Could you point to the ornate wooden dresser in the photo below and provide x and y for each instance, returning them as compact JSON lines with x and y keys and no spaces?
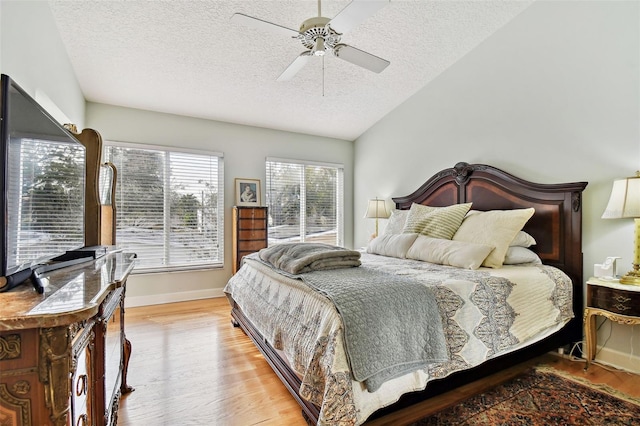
{"x":64,"y":353}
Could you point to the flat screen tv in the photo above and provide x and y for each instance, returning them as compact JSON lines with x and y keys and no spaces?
{"x":42,"y":185}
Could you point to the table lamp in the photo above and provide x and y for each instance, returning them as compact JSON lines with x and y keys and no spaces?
{"x":625,"y":203}
{"x":376,"y":209}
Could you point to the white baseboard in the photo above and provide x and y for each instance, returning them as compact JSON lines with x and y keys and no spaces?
{"x":183,"y":296}
{"x":617,"y":359}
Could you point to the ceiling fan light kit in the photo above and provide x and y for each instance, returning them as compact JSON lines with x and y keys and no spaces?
{"x":320,"y":35}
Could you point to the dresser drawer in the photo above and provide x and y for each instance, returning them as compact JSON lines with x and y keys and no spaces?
{"x":615,"y":300}
{"x":18,"y":349}
{"x":252,"y":234}
{"x":252,"y":213}
{"x":82,"y":382}
{"x":246,"y":224}
{"x":250,"y":246}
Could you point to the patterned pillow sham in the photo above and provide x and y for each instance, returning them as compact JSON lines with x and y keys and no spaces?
{"x":436,"y":222}
{"x":396,"y":222}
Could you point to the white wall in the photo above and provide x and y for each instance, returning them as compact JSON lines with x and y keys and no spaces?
{"x":32,"y":53}
{"x":245,"y":150}
{"x":554,"y":96}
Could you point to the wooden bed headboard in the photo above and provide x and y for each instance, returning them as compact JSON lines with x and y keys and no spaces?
{"x":556,"y":224}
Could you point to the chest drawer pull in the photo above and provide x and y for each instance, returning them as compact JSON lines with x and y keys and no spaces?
{"x":620,"y":298}
{"x":621,"y":307}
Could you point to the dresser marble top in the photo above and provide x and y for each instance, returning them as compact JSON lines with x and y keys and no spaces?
{"x":613,"y":283}
{"x":70,"y":295}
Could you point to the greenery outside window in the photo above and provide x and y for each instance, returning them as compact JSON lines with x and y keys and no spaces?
{"x":169,"y":206}
{"x":305,"y":201}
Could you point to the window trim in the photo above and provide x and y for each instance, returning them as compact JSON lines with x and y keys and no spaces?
{"x":306,"y":162}
{"x":156,"y":147}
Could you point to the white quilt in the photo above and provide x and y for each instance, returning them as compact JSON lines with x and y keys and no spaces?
{"x":485,"y":313}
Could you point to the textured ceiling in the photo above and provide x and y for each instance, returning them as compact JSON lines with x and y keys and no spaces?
{"x":189,"y":58}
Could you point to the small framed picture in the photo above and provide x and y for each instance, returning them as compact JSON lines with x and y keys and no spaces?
{"x":247,"y":192}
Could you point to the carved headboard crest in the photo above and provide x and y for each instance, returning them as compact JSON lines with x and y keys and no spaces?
{"x":462,"y":171}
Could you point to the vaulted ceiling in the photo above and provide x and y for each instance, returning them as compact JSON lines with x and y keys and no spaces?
{"x":189,"y":58}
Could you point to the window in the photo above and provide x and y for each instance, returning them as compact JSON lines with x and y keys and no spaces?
{"x":169,"y":206}
{"x":305,"y":201}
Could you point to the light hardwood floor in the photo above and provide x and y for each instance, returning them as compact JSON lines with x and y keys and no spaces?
{"x":190,"y":366}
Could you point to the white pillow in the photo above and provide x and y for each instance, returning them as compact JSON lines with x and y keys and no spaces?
{"x":495,"y":228}
{"x":518,"y":255}
{"x":393,"y":245}
{"x":436,"y":222}
{"x":447,"y":252}
{"x":523,"y":239}
{"x":396,"y":222}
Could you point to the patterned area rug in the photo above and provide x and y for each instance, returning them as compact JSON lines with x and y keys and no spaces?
{"x":541,"y":397}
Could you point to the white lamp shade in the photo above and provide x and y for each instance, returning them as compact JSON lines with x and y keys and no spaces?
{"x":376,"y":209}
{"x":624,"y":200}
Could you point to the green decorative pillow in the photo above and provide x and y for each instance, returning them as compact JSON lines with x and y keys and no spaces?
{"x":435,"y":222}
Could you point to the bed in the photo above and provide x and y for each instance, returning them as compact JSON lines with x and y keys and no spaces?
{"x":302,"y":336}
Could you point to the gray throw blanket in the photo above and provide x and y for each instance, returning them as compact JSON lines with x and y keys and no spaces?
{"x":392,"y":324}
{"x":298,"y":258}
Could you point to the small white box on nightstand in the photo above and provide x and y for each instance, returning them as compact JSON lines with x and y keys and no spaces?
{"x":607,"y":269}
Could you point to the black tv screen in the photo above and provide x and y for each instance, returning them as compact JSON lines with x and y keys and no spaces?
{"x":42,"y":183}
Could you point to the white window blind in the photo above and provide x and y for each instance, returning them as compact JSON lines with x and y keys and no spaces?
{"x":305,"y":201}
{"x":169,"y":206}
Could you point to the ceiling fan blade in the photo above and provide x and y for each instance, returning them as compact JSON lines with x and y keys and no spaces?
{"x":263,"y":25}
{"x":295,"y":66}
{"x":354,"y":13}
{"x":361,"y":58}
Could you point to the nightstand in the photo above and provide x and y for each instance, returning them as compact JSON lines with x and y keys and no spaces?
{"x":615,"y":301}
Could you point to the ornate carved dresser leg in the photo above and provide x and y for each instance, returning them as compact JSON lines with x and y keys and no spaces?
{"x":125,"y":388}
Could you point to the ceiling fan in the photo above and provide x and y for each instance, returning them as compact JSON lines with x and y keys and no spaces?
{"x":320,"y":35}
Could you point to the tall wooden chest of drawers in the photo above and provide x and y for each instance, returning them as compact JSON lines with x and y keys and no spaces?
{"x":249,"y":232}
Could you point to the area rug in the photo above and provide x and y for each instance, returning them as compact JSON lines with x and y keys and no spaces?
{"x":541,"y":397}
